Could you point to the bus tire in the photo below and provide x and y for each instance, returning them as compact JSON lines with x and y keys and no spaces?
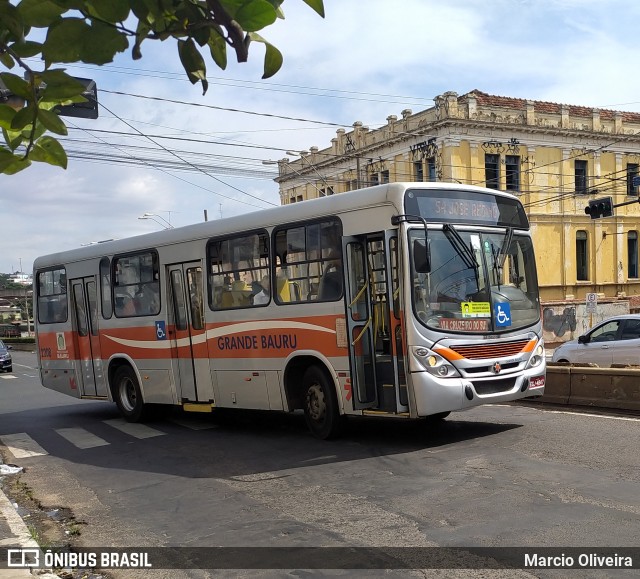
{"x":321,"y":411}
{"x":127,"y":394}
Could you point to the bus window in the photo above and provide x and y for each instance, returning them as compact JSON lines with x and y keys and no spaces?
{"x":52,"y":296}
{"x":136,"y":287}
{"x":237,"y":265}
{"x":105,"y":288}
{"x":311,"y":262}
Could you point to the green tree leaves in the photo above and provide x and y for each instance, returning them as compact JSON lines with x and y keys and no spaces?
{"x":94,"y":32}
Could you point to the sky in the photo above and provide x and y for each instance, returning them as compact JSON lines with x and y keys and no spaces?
{"x":366,"y":60}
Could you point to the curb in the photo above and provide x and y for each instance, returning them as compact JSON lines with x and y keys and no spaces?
{"x":19,"y":537}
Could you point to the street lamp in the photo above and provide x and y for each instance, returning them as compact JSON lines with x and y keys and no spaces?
{"x":164,"y":223}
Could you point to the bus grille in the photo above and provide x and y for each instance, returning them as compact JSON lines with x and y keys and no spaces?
{"x":480,"y":352}
{"x":493,"y":386}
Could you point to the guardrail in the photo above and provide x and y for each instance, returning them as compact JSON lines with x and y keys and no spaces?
{"x":589,"y":385}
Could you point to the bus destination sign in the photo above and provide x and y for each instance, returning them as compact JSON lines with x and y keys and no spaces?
{"x":465,"y":210}
{"x":465,"y":324}
{"x":470,"y":207}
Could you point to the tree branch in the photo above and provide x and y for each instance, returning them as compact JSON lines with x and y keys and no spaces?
{"x":236,"y":35}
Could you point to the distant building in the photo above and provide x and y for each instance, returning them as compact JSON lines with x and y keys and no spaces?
{"x":554,"y":157}
{"x":21,"y":278}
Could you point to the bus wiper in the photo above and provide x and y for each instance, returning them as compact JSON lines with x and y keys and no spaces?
{"x":504,"y":248}
{"x":461,"y":249}
{"x":500,"y":256}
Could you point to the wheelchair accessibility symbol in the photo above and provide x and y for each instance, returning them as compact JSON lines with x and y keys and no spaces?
{"x":161,"y":333}
{"x":503,"y":314}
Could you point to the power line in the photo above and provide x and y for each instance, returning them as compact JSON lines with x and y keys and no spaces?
{"x":194,"y":166}
{"x":263,"y":85}
{"x":227,"y":109}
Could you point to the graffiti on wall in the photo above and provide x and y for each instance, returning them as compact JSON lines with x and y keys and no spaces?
{"x":564,"y":322}
{"x":558,"y":324}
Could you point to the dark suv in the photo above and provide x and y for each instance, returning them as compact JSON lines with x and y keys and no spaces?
{"x":5,"y":358}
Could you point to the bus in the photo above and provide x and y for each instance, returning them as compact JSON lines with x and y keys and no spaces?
{"x":403,"y":300}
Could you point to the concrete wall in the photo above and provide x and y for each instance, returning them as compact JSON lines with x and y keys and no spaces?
{"x":617,"y":388}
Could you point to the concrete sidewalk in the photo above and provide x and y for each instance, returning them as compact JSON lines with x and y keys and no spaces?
{"x":14,"y":533}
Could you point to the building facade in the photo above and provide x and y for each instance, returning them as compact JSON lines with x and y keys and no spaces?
{"x":554,"y":157}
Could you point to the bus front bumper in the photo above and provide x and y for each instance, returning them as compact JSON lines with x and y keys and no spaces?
{"x":434,"y":395}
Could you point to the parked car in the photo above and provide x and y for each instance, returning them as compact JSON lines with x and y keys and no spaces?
{"x":9,"y":331}
{"x":5,"y":358}
{"x":616,"y":340}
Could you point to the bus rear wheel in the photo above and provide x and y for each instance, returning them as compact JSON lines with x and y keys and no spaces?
{"x":127,"y":394}
{"x":321,"y":405}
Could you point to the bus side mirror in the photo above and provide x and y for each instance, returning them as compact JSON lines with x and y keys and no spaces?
{"x":421,"y":260}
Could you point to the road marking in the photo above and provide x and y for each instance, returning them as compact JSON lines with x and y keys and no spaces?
{"x":21,"y":445}
{"x":133,"y":429}
{"x":8,"y":377}
{"x":81,"y":438}
{"x":591,"y":415}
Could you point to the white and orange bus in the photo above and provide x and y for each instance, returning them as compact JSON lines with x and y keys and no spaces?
{"x":405,"y":299}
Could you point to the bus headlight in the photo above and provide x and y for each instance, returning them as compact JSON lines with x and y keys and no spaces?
{"x":434,"y":363}
{"x":538,"y":355}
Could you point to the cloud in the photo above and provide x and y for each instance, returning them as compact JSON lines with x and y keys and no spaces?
{"x":364,"y":61}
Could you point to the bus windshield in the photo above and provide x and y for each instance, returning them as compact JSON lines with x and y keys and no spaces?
{"x":477,"y":282}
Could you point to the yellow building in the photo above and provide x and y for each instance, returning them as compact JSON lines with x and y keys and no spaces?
{"x":554,"y":157}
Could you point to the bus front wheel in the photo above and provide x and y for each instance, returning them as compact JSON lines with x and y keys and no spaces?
{"x":434,"y":419}
{"x":127,"y":394}
{"x":320,"y":405}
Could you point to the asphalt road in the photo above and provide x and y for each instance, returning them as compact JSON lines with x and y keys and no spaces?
{"x":497,"y":476}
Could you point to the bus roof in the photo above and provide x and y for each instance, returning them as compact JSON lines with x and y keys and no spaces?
{"x":387,"y":194}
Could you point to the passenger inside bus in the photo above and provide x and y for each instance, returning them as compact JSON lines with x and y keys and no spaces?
{"x":330,"y":287}
{"x":263,"y":296}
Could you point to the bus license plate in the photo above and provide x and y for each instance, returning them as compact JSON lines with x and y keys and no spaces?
{"x":537,"y":382}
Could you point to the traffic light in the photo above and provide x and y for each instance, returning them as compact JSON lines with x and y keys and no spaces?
{"x":86,"y":110}
{"x":602,"y":207}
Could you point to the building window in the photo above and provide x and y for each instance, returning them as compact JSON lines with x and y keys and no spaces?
{"x":582,"y":256}
{"x":432,"y":175}
{"x":418,"y":171}
{"x":492,"y":171}
{"x":373,"y":179}
{"x":384,"y":176}
{"x":512,"y":172}
{"x":632,"y":253}
{"x":581,"y":176}
{"x":632,"y":171}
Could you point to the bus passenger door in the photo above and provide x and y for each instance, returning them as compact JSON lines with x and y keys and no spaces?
{"x":189,"y":340}
{"x":86,"y":337}
{"x":373,"y":323}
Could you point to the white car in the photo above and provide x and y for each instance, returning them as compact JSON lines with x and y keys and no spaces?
{"x":616,"y":340}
